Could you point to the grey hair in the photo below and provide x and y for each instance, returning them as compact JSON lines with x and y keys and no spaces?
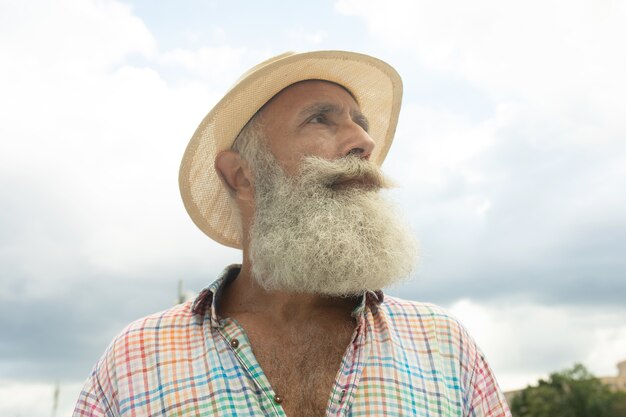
{"x":250,"y":140}
{"x":249,"y":143}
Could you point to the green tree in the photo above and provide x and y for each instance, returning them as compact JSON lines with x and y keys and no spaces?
{"x":618,"y":405}
{"x":572,"y":393}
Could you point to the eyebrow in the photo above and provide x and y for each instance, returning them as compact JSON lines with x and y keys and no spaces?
{"x":360,"y":119}
{"x":324,"y":108}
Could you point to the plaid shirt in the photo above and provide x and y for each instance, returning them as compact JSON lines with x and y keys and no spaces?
{"x":407,"y":358}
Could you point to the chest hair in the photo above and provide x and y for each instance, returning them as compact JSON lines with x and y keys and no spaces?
{"x":301,"y":364}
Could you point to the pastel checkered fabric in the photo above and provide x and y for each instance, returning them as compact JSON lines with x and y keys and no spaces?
{"x":407,"y":359}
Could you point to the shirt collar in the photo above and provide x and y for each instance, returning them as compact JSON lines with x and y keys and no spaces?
{"x":209,"y":298}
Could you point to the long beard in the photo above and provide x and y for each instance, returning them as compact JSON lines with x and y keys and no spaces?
{"x":327,"y":230}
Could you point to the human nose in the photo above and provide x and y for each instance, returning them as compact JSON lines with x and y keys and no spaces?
{"x":357,"y":141}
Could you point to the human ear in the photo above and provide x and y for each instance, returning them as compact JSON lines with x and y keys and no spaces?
{"x":235,"y":174}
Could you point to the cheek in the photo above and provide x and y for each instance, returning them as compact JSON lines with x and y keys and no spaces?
{"x":290,"y":151}
{"x":324,"y":150}
{"x":287,"y":157}
{"x":321,"y":143}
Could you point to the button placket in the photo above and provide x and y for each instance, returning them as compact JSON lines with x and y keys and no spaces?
{"x":243,"y":354}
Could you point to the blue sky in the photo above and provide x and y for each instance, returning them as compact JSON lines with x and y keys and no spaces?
{"x":510,"y":154}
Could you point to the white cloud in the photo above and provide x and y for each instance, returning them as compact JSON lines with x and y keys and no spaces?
{"x":36,"y":399}
{"x":71,"y":35}
{"x":565,"y":60}
{"x":311,"y":38}
{"x":524,"y":341}
{"x":93,"y":142}
{"x":89,"y":155}
{"x":211,"y":63}
{"x":437,"y":143}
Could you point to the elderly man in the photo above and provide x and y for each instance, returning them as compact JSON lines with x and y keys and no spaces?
{"x":285,"y":167}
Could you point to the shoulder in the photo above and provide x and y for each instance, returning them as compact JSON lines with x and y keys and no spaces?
{"x":429,"y":316}
{"x":135,"y":353}
{"x":164,"y":321}
{"x":172,"y":333}
{"x":163,"y":331}
{"x":426,"y":328}
{"x":410,"y":306}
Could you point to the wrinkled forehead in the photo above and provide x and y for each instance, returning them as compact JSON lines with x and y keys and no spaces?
{"x":299,"y":83}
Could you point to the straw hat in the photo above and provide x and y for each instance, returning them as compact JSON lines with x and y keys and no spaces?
{"x":375,"y":85}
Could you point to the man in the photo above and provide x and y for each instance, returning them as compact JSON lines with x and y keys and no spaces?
{"x":285,"y":167}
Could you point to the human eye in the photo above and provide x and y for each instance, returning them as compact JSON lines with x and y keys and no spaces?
{"x":319,"y":119}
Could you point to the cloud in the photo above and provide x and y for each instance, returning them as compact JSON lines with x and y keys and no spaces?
{"x":561,"y":57}
{"x":36,"y":399}
{"x":208,"y":63}
{"x":312,"y":38}
{"x":97,"y":138}
{"x":501,"y":214}
{"x":91,"y":210}
{"x":85,"y":35}
{"x":523,"y":340}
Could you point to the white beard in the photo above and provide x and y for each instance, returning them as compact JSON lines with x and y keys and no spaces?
{"x":312,"y":235}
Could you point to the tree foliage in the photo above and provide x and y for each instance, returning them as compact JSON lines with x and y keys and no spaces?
{"x":571,"y":393}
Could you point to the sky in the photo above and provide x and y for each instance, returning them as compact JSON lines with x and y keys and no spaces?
{"x":510,"y":155}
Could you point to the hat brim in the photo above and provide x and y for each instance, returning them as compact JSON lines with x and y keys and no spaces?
{"x":375,"y":85}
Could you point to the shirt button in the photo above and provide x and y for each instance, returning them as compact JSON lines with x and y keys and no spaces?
{"x":234,"y":343}
{"x":343,"y":393}
{"x":278,"y":399}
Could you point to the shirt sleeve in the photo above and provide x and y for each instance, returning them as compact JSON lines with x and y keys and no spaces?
{"x":98,"y":397}
{"x":484,"y":397}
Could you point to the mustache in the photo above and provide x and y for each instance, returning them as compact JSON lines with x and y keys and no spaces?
{"x":344,"y":173}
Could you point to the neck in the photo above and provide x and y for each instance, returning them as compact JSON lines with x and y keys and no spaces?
{"x":245,"y":295}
